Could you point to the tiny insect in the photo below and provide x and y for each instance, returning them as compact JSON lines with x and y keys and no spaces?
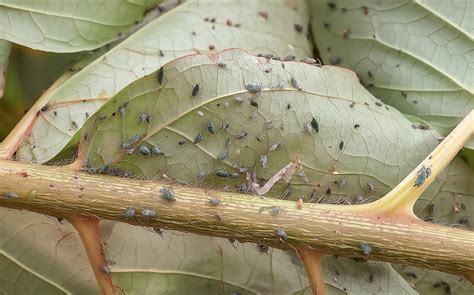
{"x":289,"y":58}
{"x":342,"y":182}
{"x":87,"y":115}
{"x":379,"y":104}
{"x":105,"y":269}
{"x":365,"y":9}
{"x":263,"y":161}
{"x":144,"y":117}
{"x":122,"y":109}
{"x":307,"y":127}
{"x":328,"y":191}
{"x":158,"y":230}
{"x":238,"y":99}
{"x":404,"y":94}
{"x":275,"y":210}
{"x":129,"y":212}
{"x":45,"y":107}
{"x":261,"y":248}
{"x":156,"y":151}
{"x":370,"y":187}
{"x":74,"y":124}
{"x":463,"y":220}
{"x":212,"y":47}
{"x":356,"y":126}
{"x":294,"y":83}
{"x":223,"y":156}
{"x":346,"y":33}
{"x":148,"y":212}
{"x":255,"y":88}
{"x":298,"y":28}
{"x":268,"y":125}
{"x":210,"y":127}
{"x":198,"y":138}
{"x":335,"y":60}
{"x":420,"y":126}
{"x":167,"y":194}
{"x":219,"y":216}
{"x":221,"y":64}
{"x":352,"y":104}
{"x":315,"y":125}
{"x":309,"y":60}
{"x":161,"y":75}
{"x":195,"y":90}
{"x":242,"y":134}
{"x":10,"y":195}
{"x":371,"y":278}
{"x":341,"y":145}
{"x":254,"y":103}
{"x":134,"y":139}
{"x":263,"y":14}
{"x":422,"y":175}
{"x":366,"y":248}
{"x":274,"y":147}
{"x":222,"y":173}
{"x":144,"y":150}
{"x":281,"y":234}
{"x":410,"y":274}
{"x":214,"y":201}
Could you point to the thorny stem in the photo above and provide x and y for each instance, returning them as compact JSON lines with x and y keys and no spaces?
{"x":88,"y":229}
{"x":328,"y":229}
{"x":402,"y":198}
{"x":312,"y":264}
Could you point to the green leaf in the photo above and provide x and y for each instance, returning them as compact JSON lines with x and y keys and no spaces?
{"x":414,"y":55}
{"x":359,"y":140}
{"x":170,"y":36}
{"x":68,"y":26}
{"x":4,"y":53}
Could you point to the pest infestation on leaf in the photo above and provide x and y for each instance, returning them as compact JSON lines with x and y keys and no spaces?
{"x":422,"y":174}
{"x":281,"y":234}
{"x":167,"y":194}
{"x":366,"y":248}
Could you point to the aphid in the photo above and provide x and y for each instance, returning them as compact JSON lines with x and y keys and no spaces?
{"x":377,"y":103}
{"x":45,"y":107}
{"x":366,"y":248}
{"x":365,"y":9}
{"x":268,"y":125}
{"x":219,"y":216}
{"x":422,"y":175}
{"x":307,"y":127}
{"x":129,"y":212}
{"x":294,"y":83}
{"x":410,"y":274}
{"x":242,"y":134}
{"x":335,"y":60}
{"x":346,"y":33}
{"x":289,"y":58}
{"x":444,"y":285}
{"x":352,"y":104}
{"x":223,"y":156}
{"x":56,"y":113}
{"x":281,"y":234}
{"x":255,"y":88}
{"x":101,"y":117}
{"x":261,"y":248}
{"x":328,"y":191}
{"x":10,"y":195}
{"x":122,"y":109}
{"x":268,"y":56}
{"x":74,"y":124}
{"x":195,"y":90}
{"x":370,"y":74}
{"x":144,"y":150}
{"x":371,"y":278}
{"x":198,"y":138}
{"x":309,"y":60}
{"x":315,"y":125}
{"x":227,"y":142}
{"x":221,"y":64}
{"x":370,"y":187}
{"x":144,"y":117}
{"x":260,"y":138}
{"x":274,"y":147}
{"x":298,"y":28}
{"x":148,"y":212}
{"x":288,"y":106}
{"x":343,"y":182}
{"x":463,"y":220}
{"x":125,"y":145}
{"x":263,"y":161}
{"x":331,"y":4}
{"x":167,"y":194}
{"x":275,"y":210}
{"x":156,"y":151}
{"x":238,"y":99}
{"x":87,"y":115}
{"x":158,"y":230}
{"x":341,"y":145}
{"x":253,"y":115}
{"x":327,"y":26}
{"x":222,"y":173}
{"x":161,"y":75}
{"x":404,"y":94}
{"x":225,"y":125}
{"x":263,"y":14}
{"x":212,"y":47}
{"x":134,"y":139}
{"x":210,"y":127}
{"x":420,"y":126}
{"x":105,"y":269}
{"x":254,"y":103}
{"x":356,"y":126}
{"x":214,"y":201}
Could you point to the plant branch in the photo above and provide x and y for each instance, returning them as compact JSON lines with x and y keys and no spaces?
{"x":312,"y":265}
{"x":88,"y":229}
{"x":327,"y":229}
{"x":402,"y":198}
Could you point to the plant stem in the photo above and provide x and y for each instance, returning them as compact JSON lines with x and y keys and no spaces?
{"x":328,"y":229}
{"x":312,"y":265}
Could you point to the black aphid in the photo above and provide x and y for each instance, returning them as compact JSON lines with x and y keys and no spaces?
{"x":223,"y":156}
{"x":315,"y":125}
{"x":161,"y":75}
{"x":298,"y":28}
{"x":356,"y":126}
{"x":261,"y":248}
{"x":254,"y":103}
{"x":45,"y":107}
{"x":144,"y":117}
{"x":352,"y":104}
{"x":222,"y":173}
{"x":144,"y":150}
{"x":341,"y":145}
{"x":214,"y":201}
{"x":198,"y":138}
{"x":255,"y":88}
{"x":404,"y":94}
{"x":241,"y":134}
{"x":294,"y":83}
{"x":210,"y":127}
{"x":181,"y":142}
{"x":167,"y":194}
{"x":195,"y":90}
{"x":327,"y":26}
{"x":281,"y":234}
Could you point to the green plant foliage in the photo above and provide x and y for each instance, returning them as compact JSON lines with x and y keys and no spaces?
{"x":194,"y":26}
{"x":4,"y":52}
{"x":68,"y":26}
{"x":414,"y":55}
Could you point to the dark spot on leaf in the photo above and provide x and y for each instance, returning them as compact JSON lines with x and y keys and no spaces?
{"x":195,"y":90}
{"x":161,"y":75}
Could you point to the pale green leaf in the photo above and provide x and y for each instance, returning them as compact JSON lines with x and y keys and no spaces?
{"x":4,"y":53}
{"x":415,"y":55}
{"x":68,"y":25}
{"x":360,"y":140}
{"x":170,"y":36}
